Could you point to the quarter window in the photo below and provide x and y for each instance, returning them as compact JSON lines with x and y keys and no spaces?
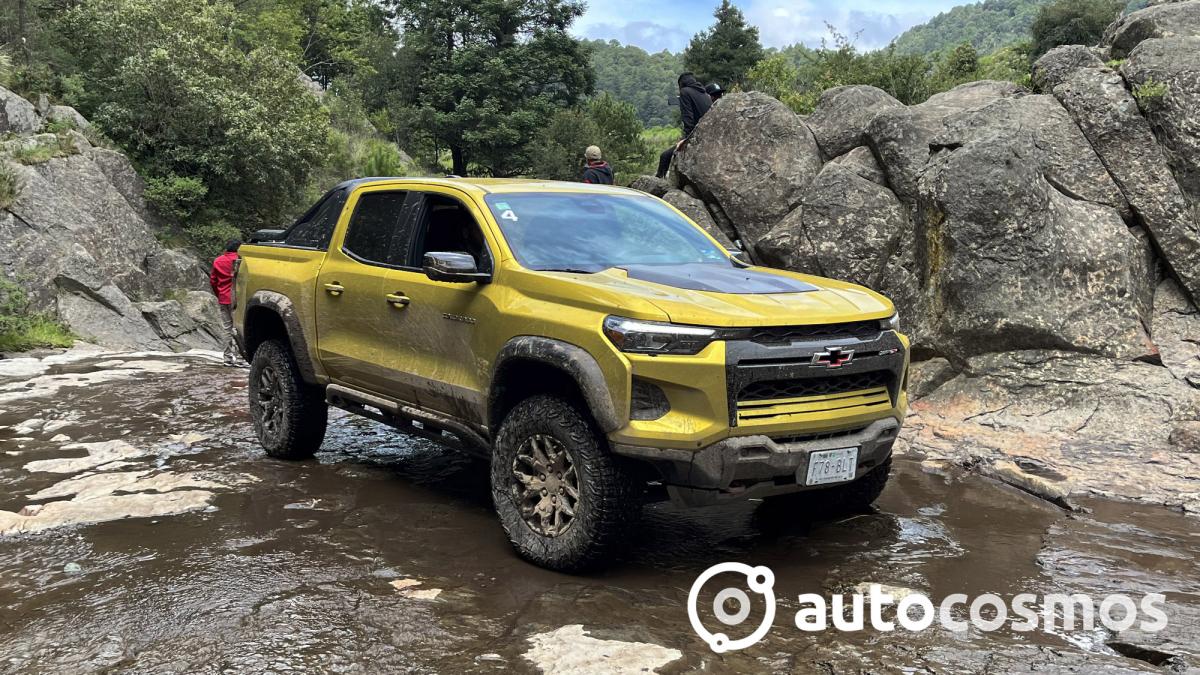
{"x":379,"y":231}
{"x":316,"y":227}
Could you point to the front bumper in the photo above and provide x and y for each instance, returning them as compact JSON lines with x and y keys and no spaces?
{"x":745,"y":467}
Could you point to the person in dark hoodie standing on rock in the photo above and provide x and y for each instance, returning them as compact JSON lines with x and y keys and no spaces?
{"x":597,"y":170}
{"x":694,"y":101}
{"x":221,"y":280}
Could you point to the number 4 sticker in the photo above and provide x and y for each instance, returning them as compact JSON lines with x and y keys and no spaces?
{"x":509,"y":215}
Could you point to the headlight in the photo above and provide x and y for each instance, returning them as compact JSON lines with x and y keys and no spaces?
{"x":890,"y":323}
{"x":653,"y":337}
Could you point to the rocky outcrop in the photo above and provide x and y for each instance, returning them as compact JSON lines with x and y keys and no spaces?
{"x":696,"y":210}
{"x":651,"y":185}
{"x":1010,"y":261}
{"x":78,"y":238}
{"x":1164,"y":20}
{"x":754,"y":157}
{"x":862,"y":161}
{"x":17,"y":116}
{"x":842,"y":114}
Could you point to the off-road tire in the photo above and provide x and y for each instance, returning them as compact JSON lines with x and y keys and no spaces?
{"x":840,"y":500}
{"x":289,"y":423}
{"x":609,"y":498}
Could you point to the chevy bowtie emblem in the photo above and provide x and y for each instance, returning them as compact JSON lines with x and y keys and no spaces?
{"x":833,"y":357}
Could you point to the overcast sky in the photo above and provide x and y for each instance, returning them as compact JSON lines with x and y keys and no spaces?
{"x":655,"y":25}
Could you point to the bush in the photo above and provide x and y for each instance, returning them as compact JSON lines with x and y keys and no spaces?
{"x":21,"y":329}
{"x":10,"y":185}
{"x":1072,"y":22}
{"x":1150,"y":94}
{"x":175,"y":196}
{"x":209,"y":238}
{"x":63,"y":146}
{"x":383,"y":159}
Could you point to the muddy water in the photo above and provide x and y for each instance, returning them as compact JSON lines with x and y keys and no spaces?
{"x":383,"y":555}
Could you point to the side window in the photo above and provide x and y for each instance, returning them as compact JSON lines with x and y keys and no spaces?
{"x":447,"y":226}
{"x":379,"y":230}
{"x":316,"y":227}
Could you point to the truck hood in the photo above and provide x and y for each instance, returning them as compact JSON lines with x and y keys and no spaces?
{"x":717,"y":296}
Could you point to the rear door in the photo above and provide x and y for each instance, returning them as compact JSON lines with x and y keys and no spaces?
{"x":353,"y":312}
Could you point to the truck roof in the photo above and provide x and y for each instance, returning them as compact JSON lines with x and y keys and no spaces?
{"x":494,"y":185}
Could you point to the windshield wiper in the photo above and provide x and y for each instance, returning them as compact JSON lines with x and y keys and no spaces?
{"x":572,"y":270}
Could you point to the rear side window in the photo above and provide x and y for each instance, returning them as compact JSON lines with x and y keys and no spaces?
{"x":379,"y":231}
{"x":315,"y":229}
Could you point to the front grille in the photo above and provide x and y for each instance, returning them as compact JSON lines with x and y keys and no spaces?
{"x":818,"y":437}
{"x":813,"y":386}
{"x":777,"y":335}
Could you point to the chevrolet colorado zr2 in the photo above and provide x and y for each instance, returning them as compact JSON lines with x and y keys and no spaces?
{"x":592,"y":343}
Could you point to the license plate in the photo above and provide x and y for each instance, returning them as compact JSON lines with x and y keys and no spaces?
{"x":832,"y":466}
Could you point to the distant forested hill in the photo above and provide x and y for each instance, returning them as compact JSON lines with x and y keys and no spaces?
{"x":632,"y":75}
{"x":987,"y":25}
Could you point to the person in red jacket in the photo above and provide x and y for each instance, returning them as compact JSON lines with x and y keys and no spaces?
{"x":221,"y":280}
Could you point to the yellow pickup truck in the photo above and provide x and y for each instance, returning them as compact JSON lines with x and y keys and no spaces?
{"x":595,"y":345}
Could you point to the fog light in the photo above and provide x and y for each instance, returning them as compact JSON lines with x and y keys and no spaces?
{"x":649,"y":401}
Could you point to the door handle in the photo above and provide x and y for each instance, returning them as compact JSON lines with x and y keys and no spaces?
{"x":398,"y":300}
{"x":334,"y":289}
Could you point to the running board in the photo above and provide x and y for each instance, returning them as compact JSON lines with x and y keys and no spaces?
{"x":408,"y":419}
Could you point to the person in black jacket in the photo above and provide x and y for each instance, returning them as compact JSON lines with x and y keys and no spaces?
{"x":597,"y":170}
{"x":693,"y":103}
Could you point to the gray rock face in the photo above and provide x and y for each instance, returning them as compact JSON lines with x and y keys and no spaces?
{"x":1164,"y":20}
{"x":65,"y":113}
{"x":1108,"y":116}
{"x":862,"y":161}
{"x":1174,"y":62}
{"x":753,"y":157}
{"x":17,"y":115}
{"x":1010,"y":262}
{"x":1060,"y":148}
{"x":1175,"y":325}
{"x":78,"y":240}
{"x":900,"y":137}
{"x":173,"y":324}
{"x":651,"y":184}
{"x":842,"y":114}
{"x":1059,"y":64}
{"x":694,"y":208}
{"x":847,"y":228}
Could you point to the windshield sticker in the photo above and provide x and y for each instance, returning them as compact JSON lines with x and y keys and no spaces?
{"x":509,"y":215}
{"x":503,"y":206}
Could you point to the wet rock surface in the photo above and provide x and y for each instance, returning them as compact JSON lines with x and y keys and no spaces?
{"x":383,"y":554}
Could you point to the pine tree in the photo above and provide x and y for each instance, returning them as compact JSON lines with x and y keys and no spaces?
{"x":726,"y":51}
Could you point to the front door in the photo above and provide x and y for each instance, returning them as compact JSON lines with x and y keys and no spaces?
{"x":441,"y":328}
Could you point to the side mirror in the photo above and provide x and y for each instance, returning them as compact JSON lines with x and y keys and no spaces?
{"x":456,"y":268}
{"x":738,"y":255}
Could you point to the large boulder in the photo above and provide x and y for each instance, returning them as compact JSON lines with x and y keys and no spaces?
{"x":862,"y":161}
{"x":1164,"y":20}
{"x":651,"y":185}
{"x":99,"y":312}
{"x":1106,"y":113}
{"x":900,"y":137}
{"x":1173,"y":63}
{"x":1010,"y":261}
{"x":1061,"y":151}
{"x":694,"y":208}
{"x":753,"y":157}
{"x":67,"y":114}
{"x":170,"y":270}
{"x":852,"y":229}
{"x":17,"y":116}
{"x":173,"y":324}
{"x":842,"y":113}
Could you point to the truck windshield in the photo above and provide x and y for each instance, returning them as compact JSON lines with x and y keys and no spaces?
{"x":579,"y":232}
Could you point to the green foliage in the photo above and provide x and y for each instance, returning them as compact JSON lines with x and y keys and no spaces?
{"x":21,"y":328}
{"x":10,"y":185}
{"x":1072,"y":22}
{"x":1150,"y":94}
{"x":58,"y":126}
{"x":1010,"y":63}
{"x":184,"y":101}
{"x":632,"y":75}
{"x":987,"y":26}
{"x":39,"y":153}
{"x":209,"y":237}
{"x":482,"y":77}
{"x":777,"y":76}
{"x":6,"y":67}
{"x":383,"y":159}
{"x":726,"y":51}
{"x":176,"y":196}
{"x":557,"y":151}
